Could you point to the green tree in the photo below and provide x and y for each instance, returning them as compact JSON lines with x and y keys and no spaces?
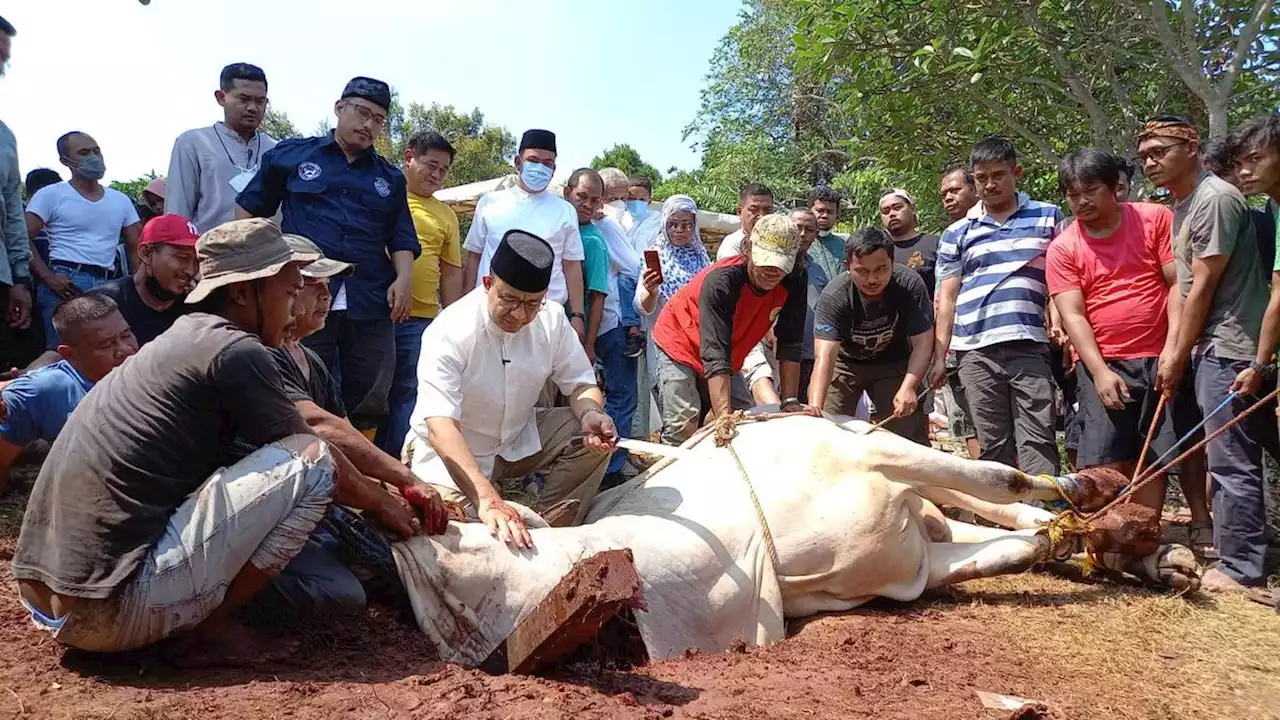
{"x":276,"y":123}
{"x":133,"y":188}
{"x":626,"y":159}
{"x":482,"y":151}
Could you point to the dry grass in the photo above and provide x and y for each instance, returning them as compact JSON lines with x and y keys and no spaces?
{"x":1131,"y":653}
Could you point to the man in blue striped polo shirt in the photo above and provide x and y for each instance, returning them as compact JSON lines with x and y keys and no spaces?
{"x":991,"y":312}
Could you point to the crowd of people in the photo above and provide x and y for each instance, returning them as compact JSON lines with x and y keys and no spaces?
{"x":281,"y":330}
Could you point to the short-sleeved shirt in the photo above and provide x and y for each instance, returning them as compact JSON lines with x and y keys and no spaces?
{"x":1001,"y":270}
{"x":145,"y":322}
{"x":1276,"y":264}
{"x":874,"y":331}
{"x":316,"y":386}
{"x":356,"y":211}
{"x":38,"y":403}
{"x":544,"y":214}
{"x":818,"y":281}
{"x":1214,"y":221}
{"x":147,"y":436}
{"x":437,"y":228}
{"x":714,"y":321}
{"x":83,"y":231}
{"x":919,"y":253}
{"x":595,"y":275}
{"x":1121,"y":277}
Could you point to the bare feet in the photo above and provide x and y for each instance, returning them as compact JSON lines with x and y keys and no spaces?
{"x":233,"y":646}
{"x":1214,"y":580}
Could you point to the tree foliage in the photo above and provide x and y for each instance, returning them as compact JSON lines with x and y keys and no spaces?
{"x":626,"y":159}
{"x":864,"y":92}
{"x":483,"y":151}
{"x":277,"y":124}
{"x":133,"y":188}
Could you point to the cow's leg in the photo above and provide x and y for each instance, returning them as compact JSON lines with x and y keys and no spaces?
{"x":963,"y":532}
{"x":901,"y":460}
{"x":1172,"y":566}
{"x":1016,"y":551}
{"x":1015,"y":516}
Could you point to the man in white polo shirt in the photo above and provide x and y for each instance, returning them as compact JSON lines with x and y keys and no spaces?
{"x":484,"y":362}
{"x":84,"y":223}
{"x":528,"y":206}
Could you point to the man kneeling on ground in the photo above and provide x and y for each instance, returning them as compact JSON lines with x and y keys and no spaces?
{"x":484,"y":362}
{"x":144,"y":523}
{"x":94,"y":339}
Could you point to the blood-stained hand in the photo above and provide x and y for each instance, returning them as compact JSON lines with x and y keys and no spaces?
{"x":599,"y":434}
{"x":423,"y":497}
{"x":504,"y":522}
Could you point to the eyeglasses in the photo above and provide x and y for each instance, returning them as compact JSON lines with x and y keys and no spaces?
{"x":511,"y":304}
{"x":679,"y":226}
{"x":1158,"y":153}
{"x":379,"y":121}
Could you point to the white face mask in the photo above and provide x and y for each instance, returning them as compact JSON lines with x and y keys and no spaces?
{"x":617,"y":205}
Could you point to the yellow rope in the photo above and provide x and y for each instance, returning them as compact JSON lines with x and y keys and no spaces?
{"x":725,"y":430}
{"x":1058,"y":486}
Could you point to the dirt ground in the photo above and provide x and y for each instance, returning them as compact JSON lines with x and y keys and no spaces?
{"x":1086,"y":648}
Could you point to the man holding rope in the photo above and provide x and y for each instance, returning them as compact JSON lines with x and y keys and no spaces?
{"x":1224,"y":298}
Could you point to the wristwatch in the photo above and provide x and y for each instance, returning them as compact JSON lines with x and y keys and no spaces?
{"x":789,"y":401}
{"x":1260,"y":368}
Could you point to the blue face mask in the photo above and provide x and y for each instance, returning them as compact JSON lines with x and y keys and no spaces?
{"x":637,"y":208}
{"x":535,"y":176}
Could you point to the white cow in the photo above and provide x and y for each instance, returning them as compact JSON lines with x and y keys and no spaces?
{"x":847,"y":519}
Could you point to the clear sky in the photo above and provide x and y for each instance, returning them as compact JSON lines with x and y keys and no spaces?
{"x":134,"y":77}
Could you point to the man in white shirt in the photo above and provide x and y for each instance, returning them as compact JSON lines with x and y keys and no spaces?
{"x":529,"y":207}
{"x":483,"y":364}
{"x":85,"y":222}
{"x":754,"y":201}
{"x":211,"y":165}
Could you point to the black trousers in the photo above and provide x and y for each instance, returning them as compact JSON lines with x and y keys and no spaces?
{"x":361,"y":354}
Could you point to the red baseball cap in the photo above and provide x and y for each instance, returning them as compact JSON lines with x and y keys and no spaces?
{"x":170,"y":230}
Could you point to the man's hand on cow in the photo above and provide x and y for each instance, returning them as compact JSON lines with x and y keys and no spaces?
{"x":904,"y":402}
{"x":430,"y":507}
{"x":1112,"y":389}
{"x":397,"y":516}
{"x":504,"y":522}
{"x":795,"y":407}
{"x":599,"y":434}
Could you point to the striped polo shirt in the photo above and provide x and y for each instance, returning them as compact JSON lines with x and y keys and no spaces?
{"x":1001,"y":266}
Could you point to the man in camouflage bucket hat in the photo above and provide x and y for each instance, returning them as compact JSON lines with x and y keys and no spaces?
{"x":709,"y":327}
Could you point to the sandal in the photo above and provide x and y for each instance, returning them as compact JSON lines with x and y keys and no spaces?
{"x":1201,"y":541}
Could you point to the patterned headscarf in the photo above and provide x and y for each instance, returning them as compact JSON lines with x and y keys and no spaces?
{"x":679,"y":262}
{"x":1176,"y":129}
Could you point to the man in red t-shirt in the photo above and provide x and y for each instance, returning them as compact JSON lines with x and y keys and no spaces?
{"x":1110,"y":272}
{"x":708,"y":327}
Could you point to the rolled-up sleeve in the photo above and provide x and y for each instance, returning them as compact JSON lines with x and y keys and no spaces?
{"x":183,"y":181}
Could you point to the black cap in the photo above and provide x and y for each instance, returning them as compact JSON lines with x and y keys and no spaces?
{"x":375,"y":91}
{"x":538,"y":140}
{"x":523,"y":261}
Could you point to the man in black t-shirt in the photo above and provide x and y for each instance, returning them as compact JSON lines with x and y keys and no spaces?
{"x":873,"y":333}
{"x":144,"y":523}
{"x":910,"y":246}
{"x":151,"y":299}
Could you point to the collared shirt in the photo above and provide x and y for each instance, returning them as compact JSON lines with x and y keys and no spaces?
{"x":831,"y":261}
{"x":202,"y":167}
{"x":1001,"y":266}
{"x":437,"y":228}
{"x":356,"y":211}
{"x":549,"y":217}
{"x":15,"y":252}
{"x":489,"y":381}
{"x":38,"y":404}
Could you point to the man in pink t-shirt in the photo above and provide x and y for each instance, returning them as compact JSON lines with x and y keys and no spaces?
{"x":1109,"y":274}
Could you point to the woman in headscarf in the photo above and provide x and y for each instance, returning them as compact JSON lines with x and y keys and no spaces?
{"x":680,"y":253}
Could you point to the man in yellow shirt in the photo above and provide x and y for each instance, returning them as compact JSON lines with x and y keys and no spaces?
{"x":437,"y":273}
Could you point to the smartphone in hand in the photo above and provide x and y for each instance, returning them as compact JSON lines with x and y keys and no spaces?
{"x":651,"y":261}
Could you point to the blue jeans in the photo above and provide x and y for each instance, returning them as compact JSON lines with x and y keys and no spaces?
{"x":628,"y":317}
{"x":1235,"y":463}
{"x":619,"y":385}
{"x":50,"y":302}
{"x":404,"y":385}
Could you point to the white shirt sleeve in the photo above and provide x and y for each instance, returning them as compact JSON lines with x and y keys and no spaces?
{"x":43,"y":202}
{"x":129,"y":211}
{"x":475,"y":234}
{"x":570,"y":368}
{"x":572,"y":237}
{"x":732,"y":245}
{"x":440,"y":368}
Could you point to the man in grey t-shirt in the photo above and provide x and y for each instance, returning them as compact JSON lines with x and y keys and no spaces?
{"x":1224,"y":297}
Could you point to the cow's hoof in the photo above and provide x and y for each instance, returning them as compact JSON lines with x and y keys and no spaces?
{"x":1099,"y":486}
{"x":1176,"y":567}
{"x":1126,"y":528}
